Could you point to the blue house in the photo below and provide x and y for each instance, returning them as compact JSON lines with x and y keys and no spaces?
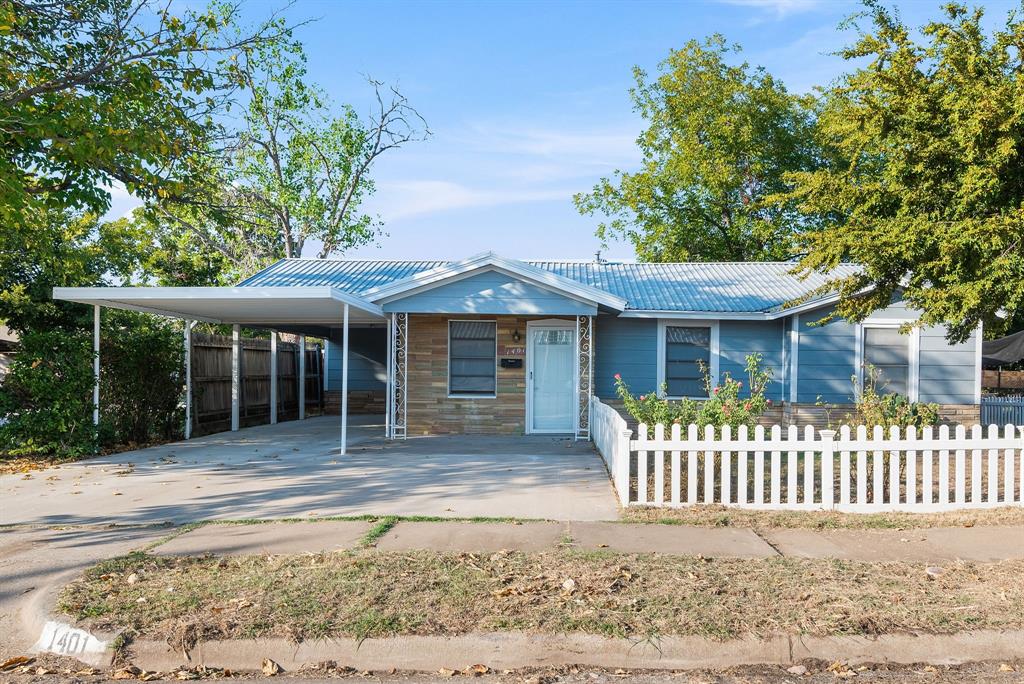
{"x":496,"y":345}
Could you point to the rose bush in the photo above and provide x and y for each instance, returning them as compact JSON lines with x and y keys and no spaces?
{"x":727,"y":403}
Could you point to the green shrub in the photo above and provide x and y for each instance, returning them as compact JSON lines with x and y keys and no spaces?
{"x":47,"y":396}
{"x":876,"y":407}
{"x":142,"y":362}
{"x":725,"y":404}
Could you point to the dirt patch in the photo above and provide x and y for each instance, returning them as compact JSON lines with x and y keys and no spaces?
{"x":379,"y":594}
{"x":724,"y":516}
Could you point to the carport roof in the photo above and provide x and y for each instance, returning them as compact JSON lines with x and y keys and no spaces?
{"x":253,"y":306}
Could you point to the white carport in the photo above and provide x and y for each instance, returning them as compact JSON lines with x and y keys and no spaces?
{"x":294,"y":309}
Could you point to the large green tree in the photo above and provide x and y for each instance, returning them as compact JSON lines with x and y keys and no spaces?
{"x":720,"y":138}
{"x":929,"y":197}
{"x":94,"y":92}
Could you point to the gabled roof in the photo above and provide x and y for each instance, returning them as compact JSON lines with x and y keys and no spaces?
{"x":741,"y":289}
{"x":489,"y":261}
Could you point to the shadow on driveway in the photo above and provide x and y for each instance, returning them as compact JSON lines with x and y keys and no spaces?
{"x":294,"y":469}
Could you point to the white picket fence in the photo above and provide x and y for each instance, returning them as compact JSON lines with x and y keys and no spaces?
{"x":611,"y":437}
{"x":849,"y":470}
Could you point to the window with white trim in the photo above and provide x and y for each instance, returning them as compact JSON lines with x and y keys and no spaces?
{"x":472,"y":358}
{"x":687,"y":348}
{"x":889,"y":352}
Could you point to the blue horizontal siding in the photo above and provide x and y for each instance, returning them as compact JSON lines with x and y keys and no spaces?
{"x":948,"y":372}
{"x":492,"y":292}
{"x":628,"y":346}
{"x":825,"y":359}
{"x":367,"y":353}
{"x":363,"y":373}
{"x":739,"y":339}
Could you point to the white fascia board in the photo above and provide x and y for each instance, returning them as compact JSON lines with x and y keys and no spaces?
{"x":699,"y":315}
{"x":438,"y":276}
{"x":771,"y":315}
{"x":148,"y":299}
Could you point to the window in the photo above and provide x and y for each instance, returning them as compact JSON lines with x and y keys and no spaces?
{"x":686,"y":348}
{"x":472,"y":358}
{"x":889,"y":352}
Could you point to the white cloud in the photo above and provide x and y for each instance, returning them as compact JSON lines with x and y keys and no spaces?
{"x":495,"y":163}
{"x":569,"y":144}
{"x":780,"y":8}
{"x":122,"y":202}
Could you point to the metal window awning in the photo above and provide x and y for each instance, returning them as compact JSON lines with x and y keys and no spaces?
{"x":252,"y":306}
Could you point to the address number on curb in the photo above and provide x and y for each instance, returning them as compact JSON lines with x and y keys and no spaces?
{"x":65,"y":640}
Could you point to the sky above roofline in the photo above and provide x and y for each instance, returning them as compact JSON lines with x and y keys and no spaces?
{"x":528,"y":103}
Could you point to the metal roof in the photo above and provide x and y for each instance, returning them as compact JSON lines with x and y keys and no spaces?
{"x":734,"y":287}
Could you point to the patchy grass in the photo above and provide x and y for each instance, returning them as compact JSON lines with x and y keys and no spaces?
{"x":374,"y":594}
{"x":723,"y":516}
{"x":382,"y":527}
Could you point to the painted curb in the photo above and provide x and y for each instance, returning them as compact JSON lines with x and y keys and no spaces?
{"x":38,"y":620}
{"x":516,"y":650}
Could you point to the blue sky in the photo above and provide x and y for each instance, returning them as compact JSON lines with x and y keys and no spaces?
{"x":528,"y":102}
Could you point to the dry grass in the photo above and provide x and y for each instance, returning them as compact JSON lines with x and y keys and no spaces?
{"x":380,"y":594}
{"x":724,"y":516}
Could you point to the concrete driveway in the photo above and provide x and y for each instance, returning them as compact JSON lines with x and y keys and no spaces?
{"x":293,"y":470}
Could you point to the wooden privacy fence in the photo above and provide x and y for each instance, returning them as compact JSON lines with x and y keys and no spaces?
{"x":861,"y":470}
{"x":211,"y":381}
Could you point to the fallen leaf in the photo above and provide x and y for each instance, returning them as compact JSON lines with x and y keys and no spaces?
{"x":270,"y":668}
{"x":445,"y":672}
{"x":14,"y":662}
{"x":128,"y":672}
{"x":1004,"y":667}
{"x":477,"y":670}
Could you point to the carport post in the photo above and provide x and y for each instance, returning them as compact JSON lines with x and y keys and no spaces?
{"x":236,"y":358}
{"x":344,"y":382}
{"x":302,"y":377}
{"x":96,"y":365}
{"x":387,"y":381}
{"x":188,"y":379}
{"x":273,"y":377}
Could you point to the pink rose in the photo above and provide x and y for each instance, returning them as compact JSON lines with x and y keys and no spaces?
{"x":618,"y":377}
{"x":739,"y":384}
{"x":769,"y":402}
{"x":642,"y":397}
{"x":715,"y":390}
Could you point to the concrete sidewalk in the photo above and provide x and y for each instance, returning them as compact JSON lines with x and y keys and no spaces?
{"x":980,"y":544}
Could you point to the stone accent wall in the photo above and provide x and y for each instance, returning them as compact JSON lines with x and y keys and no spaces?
{"x":432,"y":411}
{"x":360,"y":402}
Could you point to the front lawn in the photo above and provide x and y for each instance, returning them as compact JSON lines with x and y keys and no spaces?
{"x":375,"y":594}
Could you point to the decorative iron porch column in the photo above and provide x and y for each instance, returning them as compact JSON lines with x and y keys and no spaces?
{"x":584,"y":374}
{"x":398,"y":364}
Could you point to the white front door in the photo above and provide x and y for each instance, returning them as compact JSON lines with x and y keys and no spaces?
{"x":551,"y":387}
